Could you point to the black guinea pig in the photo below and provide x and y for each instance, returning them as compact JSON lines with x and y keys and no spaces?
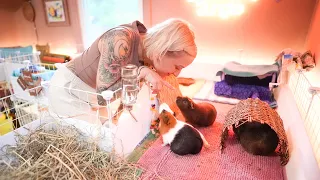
{"x":201,"y":114}
{"x":256,"y":138}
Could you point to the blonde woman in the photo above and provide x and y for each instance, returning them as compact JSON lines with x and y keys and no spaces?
{"x":168,"y":47}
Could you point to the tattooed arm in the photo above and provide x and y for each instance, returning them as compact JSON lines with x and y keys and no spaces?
{"x":115,"y":50}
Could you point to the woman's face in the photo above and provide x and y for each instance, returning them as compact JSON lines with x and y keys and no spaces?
{"x":173,"y":62}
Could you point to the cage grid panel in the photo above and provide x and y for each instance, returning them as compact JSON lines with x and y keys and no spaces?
{"x":27,"y":108}
{"x":18,"y":111}
{"x":308,"y":104}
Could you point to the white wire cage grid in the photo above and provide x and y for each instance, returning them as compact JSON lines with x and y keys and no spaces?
{"x":23,"y":61}
{"x":17,"y":111}
{"x":11,"y":66}
{"x":308,"y":102}
{"x":21,"y":107}
{"x":108,"y":124}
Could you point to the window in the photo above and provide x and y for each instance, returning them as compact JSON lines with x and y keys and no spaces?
{"x":97,"y":16}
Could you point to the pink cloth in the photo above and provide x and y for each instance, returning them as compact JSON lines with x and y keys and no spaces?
{"x":233,"y":164}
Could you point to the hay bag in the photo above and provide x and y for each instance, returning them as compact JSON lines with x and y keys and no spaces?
{"x":259,"y":111}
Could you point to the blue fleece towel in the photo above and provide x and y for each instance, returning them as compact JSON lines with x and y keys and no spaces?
{"x":243,"y":91}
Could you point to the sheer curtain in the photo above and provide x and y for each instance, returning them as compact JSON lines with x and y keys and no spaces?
{"x":97,"y":16}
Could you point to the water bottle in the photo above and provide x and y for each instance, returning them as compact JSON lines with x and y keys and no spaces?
{"x":130,"y":85}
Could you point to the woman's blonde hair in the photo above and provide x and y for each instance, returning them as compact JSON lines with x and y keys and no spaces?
{"x":171,"y":35}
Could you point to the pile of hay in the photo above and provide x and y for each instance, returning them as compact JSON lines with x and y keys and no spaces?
{"x":62,"y":152}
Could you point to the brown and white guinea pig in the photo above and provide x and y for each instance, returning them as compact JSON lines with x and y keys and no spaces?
{"x":256,"y":138}
{"x":183,"y":138}
{"x":197,"y":114}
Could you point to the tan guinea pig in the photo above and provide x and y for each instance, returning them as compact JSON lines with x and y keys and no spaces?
{"x":197,"y":114}
{"x":183,"y":138}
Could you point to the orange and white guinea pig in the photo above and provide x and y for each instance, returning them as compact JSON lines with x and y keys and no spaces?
{"x":183,"y":138}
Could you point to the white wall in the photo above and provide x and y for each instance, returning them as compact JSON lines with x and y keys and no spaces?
{"x":262,"y":31}
{"x":201,"y":70}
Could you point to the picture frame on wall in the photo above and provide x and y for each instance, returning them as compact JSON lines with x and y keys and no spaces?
{"x":56,"y":12}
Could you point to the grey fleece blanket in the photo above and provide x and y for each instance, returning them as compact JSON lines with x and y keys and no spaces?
{"x":240,"y":70}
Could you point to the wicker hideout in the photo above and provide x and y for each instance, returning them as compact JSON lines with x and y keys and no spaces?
{"x":259,"y":111}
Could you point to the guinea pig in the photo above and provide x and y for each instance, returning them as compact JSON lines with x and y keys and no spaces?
{"x":183,"y":138}
{"x":197,"y":114}
{"x":256,"y":138}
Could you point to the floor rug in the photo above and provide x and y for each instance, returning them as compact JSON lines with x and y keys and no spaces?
{"x":234,"y":164}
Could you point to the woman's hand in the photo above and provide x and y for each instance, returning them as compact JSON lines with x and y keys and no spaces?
{"x":153,"y":78}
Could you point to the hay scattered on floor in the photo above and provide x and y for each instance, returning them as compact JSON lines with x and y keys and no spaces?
{"x":62,"y":152}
